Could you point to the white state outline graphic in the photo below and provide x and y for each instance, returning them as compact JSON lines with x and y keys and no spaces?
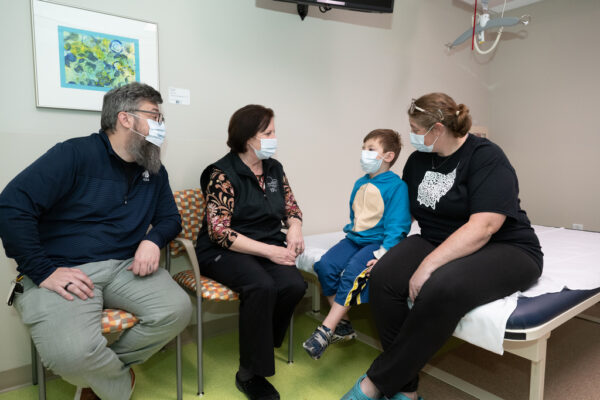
{"x":433,"y":186}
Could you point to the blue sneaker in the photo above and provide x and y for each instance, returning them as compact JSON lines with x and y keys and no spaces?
{"x":400,"y":396}
{"x":316,"y":344}
{"x":343,"y":332}
{"x":356,"y":394}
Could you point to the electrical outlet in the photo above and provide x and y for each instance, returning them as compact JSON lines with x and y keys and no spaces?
{"x":578,"y":227}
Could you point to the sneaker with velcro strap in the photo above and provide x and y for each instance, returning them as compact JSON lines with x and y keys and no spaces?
{"x":343,"y":332}
{"x":316,"y":344}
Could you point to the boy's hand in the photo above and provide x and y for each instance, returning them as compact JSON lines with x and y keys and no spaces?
{"x":370,"y":265}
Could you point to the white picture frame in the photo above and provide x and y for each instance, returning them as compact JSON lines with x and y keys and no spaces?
{"x":80,"y":54}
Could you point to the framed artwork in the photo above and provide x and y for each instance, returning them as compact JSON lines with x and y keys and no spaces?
{"x":79,"y":55}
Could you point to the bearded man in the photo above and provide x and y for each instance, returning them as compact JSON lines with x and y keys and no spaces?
{"x":85,"y":223}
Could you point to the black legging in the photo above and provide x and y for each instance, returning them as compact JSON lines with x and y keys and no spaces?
{"x":268,"y":294}
{"x":411,"y":337}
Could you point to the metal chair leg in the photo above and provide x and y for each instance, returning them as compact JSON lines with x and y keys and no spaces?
{"x":178,"y":367}
{"x":34,"y":378}
{"x":168,"y":258}
{"x":291,"y":341}
{"x":200,"y":345}
{"x":41,"y":376}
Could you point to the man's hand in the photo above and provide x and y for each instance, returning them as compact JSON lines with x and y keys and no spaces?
{"x":294,"y":239}
{"x":146,"y":259}
{"x":282,"y":256}
{"x":65,"y":281}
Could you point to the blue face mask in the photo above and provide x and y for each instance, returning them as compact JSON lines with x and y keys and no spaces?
{"x":369,"y":161}
{"x":418,"y":141}
{"x":268,"y":147}
{"x":156,"y":132}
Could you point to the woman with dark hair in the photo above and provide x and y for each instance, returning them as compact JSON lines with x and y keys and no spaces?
{"x":241,"y":243}
{"x":476,"y":245}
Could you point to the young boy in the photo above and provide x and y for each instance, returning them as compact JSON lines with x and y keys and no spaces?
{"x":379,"y":219}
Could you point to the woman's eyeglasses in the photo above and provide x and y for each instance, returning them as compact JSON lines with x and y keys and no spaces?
{"x":414,"y":107}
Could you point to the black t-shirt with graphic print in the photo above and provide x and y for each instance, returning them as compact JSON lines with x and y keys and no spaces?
{"x":445,"y":191}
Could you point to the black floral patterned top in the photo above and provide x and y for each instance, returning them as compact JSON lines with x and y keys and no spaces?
{"x":220,"y":204}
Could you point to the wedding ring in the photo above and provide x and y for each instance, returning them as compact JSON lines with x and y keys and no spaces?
{"x":67,"y":285}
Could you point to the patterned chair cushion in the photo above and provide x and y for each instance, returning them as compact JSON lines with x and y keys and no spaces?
{"x":190,"y":203}
{"x":211,"y":289}
{"x":117,"y":320}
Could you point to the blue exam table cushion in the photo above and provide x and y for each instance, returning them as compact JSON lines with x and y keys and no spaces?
{"x":535,"y":311}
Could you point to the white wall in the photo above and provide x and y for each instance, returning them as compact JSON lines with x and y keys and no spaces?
{"x":330,"y":79}
{"x":544,"y":90}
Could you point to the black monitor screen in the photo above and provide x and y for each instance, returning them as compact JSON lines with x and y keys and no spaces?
{"x":385,"y":6}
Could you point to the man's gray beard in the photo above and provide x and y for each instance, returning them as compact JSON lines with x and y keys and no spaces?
{"x":144,"y":153}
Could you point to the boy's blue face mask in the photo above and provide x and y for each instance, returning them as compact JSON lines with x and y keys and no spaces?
{"x":369,"y":161}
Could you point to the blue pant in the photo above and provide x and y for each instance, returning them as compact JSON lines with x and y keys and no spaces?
{"x":341,"y":272}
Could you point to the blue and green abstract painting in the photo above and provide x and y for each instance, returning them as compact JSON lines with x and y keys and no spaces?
{"x":96,"y":61}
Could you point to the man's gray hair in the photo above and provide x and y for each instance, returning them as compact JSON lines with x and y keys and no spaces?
{"x":125,"y":98}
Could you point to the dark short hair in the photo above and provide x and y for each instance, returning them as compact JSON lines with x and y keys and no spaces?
{"x":389,"y":140}
{"x":125,"y":98}
{"x":245,"y":123}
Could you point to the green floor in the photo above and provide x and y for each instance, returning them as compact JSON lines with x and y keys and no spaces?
{"x":328,"y":378}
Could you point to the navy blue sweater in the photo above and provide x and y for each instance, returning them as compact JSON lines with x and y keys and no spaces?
{"x":75,"y":205}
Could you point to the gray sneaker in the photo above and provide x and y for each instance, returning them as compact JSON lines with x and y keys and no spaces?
{"x":316,"y":344}
{"x":343,"y":332}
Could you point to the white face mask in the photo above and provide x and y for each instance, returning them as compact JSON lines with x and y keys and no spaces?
{"x":156,"y":132}
{"x":369,"y":161}
{"x":268,"y":147}
{"x":418,"y":141}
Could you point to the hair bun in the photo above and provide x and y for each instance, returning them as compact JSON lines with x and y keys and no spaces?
{"x":463,"y":120}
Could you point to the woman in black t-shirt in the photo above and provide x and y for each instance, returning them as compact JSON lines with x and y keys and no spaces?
{"x":476,"y":246}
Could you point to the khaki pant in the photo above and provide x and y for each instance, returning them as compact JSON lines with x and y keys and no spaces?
{"x":67,"y":333}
